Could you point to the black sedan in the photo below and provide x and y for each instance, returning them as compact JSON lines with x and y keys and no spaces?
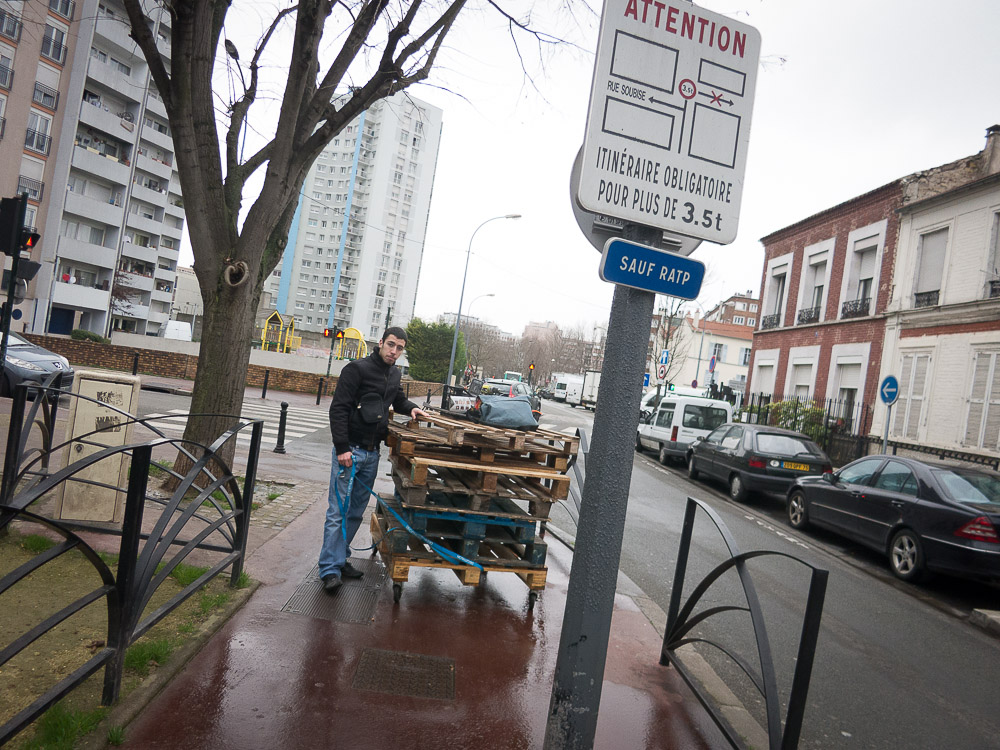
{"x":922,"y":515}
{"x":755,"y":458}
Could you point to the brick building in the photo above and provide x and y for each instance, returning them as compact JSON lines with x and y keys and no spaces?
{"x":824,"y":291}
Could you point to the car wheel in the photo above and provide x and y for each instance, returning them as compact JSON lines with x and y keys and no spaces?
{"x":798,"y":518}
{"x":906,"y":556}
{"x":737,"y":490}
{"x":692,"y":471}
{"x":664,"y":457}
{"x":638,"y":444}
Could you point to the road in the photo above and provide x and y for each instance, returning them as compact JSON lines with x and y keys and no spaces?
{"x":897,"y":664}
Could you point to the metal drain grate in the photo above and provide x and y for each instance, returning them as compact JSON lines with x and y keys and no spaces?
{"x":354,"y":602}
{"x":402,"y":673}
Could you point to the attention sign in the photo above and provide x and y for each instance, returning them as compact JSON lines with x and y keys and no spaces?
{"x":669,"y":119}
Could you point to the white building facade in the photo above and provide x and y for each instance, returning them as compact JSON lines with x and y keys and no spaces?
{"x":362,"y":273}
{"x":97,"y":165}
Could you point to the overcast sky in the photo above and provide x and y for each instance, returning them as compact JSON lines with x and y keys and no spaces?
{"x":850,"y":95}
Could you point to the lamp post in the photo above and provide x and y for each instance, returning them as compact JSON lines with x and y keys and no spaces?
{"x":461,"y":297}
{"x":702,"y":342}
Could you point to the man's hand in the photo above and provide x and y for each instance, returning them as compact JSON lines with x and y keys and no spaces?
{"x":418,"y":412}
{"x":345,"y":459}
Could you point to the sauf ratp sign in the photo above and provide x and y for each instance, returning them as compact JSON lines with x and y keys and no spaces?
{"x":669,"y":119}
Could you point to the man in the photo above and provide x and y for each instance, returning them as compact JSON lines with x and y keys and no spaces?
{"x":359,"y":420}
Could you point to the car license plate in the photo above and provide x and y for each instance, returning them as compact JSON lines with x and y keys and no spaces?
{"x":796,"y":467}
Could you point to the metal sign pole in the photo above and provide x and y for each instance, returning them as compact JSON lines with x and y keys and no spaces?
{"x":583,"y":644}
{"x":885,"y":433}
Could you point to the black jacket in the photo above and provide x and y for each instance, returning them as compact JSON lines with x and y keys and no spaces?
{"x":359,"y":413}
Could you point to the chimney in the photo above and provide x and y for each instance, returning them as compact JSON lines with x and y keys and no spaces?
{"x":991,"y":154}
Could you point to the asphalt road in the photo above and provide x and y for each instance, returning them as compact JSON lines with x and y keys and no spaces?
{"x":897,"y":665}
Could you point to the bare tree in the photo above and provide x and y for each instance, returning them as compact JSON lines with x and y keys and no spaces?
{"x":384,"y":47}
{"x":124,"y":294}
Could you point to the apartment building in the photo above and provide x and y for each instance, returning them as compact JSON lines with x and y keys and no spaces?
{"x":96,"y":161}
{"x":738,"y":310}
{"x":357,"y":239}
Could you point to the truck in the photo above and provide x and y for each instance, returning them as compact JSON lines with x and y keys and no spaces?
{"x":562,"y":381}
{"x":591,"y":382}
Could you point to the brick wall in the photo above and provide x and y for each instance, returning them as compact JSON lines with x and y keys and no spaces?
{"x":84,"y":354}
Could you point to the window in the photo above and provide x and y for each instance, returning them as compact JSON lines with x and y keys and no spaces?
{"x":739,"y":320}
{"x":53,"y":43}
{"x":912,"y":384}
{"x":896,"y":477}
{"x":703,"y":417}
{"x":753,"y":308}
{"x":860,"y":283}
{"x":744,"y":355}
{"x":36,"y":138}
{"x":751,"y":321}
{"x":665,"y":416}
{"x":719,"y":352}
{"x":733,"y":438}
{"x":860,"y":472}
{"x":982,"y":428}
{"x":930,"y":268}
{"x":801,"y":380}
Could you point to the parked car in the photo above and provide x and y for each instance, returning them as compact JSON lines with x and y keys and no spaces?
{"x":756,"y":458}
{"x":498,"y":387}
{"x":28,"y":361}
{"x":677,"y":421}
{"x":936,"y":516}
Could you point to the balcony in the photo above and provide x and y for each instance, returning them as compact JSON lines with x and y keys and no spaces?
{"x":53,"y":50}
{"x":6,"y":77}
{"x":45,"y":96}
{"x":770,"y":321}
{"x":809,"y":315}
{"x":10,"y":26}
{"x":35,"y":140}
{"x":108,"y":211}
{"x":926,"y":299}
{"x":115,"y":124}
{"x":34,"y":188}
{"x":111,"y":168}
{"x":87,"y":253}
{"x":80,"y":296}
{"x":856,"y":308}
{"x":994,"y":289}
{"x":63,"y":8}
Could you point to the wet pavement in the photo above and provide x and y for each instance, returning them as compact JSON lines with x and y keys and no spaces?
{"x":448,"y":665}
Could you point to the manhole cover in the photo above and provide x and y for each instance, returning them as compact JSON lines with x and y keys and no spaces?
{"x":402,"y":673}
{"x":354,"y":602}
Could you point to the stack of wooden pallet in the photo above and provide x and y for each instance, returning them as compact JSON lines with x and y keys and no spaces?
{"x":474,"y":490}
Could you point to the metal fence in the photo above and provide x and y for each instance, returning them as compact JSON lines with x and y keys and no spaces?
{"x":684,"y":616}
{"x":839,"y":426}
{"x":207,"y":510}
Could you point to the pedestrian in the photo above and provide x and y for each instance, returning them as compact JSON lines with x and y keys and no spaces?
{"x":359,"y":421}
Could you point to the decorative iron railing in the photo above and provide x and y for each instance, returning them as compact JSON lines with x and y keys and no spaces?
{"x":994,"y":288}
{"x":63,"y":7}
{"x":809,"y":315}
{"x":208,"y":510}
{"x":34,"y":188}
{"x":856,"y":308}
{"x":926,"y":299}
{"x":6,"y":77}
{"x":770,"y":321}
{"x":45,"y":96}
{"x":10,"y":26}
{"x":37,"y":141}
{"x":682,"y":619}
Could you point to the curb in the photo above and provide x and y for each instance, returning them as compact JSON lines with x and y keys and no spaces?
{"x":127,"y":708}
{"x":987,"y":619}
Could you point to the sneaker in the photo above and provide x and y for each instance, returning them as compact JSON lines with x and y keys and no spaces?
{"x":331,"y":583}
{"x":349,"y":571}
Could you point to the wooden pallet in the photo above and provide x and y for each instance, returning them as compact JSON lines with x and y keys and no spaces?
{"x":458,"y":431}
{"x":456,"y":486}
{"x":493,"y":558}
{"x":433,"y":443}
{"x":483,"y":478}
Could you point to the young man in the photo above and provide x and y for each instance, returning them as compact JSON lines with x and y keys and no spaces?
{"x":359,"y":420}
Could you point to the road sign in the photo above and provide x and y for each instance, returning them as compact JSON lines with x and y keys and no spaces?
{"x":630,"y":264}
{"x":665,"y":357}
{"x":669,"y":120}
{"x":711,"y":364}
{"x":661,"y":371}
{"x":888,"y":391}
{"x":645,"y":380}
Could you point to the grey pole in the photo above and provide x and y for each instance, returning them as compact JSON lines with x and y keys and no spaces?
{"x":583,"y":644}
{"x":461,"y":297}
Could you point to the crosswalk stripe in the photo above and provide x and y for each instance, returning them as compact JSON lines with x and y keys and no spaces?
{"x":299,"y":424}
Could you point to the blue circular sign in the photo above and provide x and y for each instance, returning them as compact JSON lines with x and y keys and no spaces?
{"x":888,"y":390}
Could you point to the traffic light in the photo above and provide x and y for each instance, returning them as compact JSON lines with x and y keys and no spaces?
{"x":11,"y":220}
{"x":340,"y":334}
{"x":28,"y":239}
{"x":327,"y":332}
{"x":531,"y":366}
{"x":670,"y":386}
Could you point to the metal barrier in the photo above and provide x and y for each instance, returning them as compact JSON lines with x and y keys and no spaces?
{"x":681,"y":620}
{"x":208,"y":510}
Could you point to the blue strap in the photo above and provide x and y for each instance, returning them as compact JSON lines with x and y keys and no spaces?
{"x":342,"y":502}
{"x":446,"y":553}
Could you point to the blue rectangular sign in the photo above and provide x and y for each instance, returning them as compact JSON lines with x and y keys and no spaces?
{"x":641,"y":267}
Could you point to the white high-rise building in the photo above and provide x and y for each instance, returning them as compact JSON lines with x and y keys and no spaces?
{"x":380,"y":171}
{"x":84,"y":134}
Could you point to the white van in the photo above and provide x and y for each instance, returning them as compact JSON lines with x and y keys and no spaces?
{"x":677,"y":421}
{"x":175,"y":329}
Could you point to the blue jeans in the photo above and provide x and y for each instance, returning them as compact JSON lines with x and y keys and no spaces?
{"x":336,"y":549}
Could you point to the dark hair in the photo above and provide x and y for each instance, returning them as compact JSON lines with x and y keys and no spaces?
{"x":396,"y":331}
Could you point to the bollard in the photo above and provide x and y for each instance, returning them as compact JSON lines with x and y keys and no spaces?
{"x":319,"y":391}
{"x":263,"y":391}
{"x":280,"y":447}
{"x":135,"y":364}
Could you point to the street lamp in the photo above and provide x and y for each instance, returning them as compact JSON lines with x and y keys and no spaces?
{"x":461,"y":297}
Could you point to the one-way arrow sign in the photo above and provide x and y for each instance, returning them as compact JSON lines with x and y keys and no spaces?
{"x":888,"y":391}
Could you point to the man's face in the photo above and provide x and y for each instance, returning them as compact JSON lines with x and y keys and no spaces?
{"x":390,"y":348}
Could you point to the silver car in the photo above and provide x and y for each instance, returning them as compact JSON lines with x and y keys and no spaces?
{"x":28,"y":361}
